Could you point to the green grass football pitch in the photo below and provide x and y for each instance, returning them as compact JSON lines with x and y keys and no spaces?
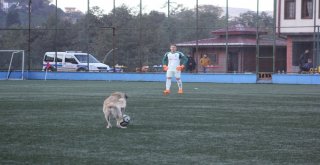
{"x":61,"y":122}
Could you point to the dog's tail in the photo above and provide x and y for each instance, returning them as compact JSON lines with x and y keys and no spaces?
{"x":115,"y":111}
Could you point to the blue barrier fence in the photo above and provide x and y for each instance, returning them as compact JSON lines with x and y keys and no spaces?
{"x":158,"y":77}
{"x":296,"y":79}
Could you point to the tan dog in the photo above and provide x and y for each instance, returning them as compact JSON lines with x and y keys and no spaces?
{"x":115,"y":106}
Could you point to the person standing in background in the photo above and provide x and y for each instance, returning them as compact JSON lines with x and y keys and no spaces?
{"x":205,"y":61}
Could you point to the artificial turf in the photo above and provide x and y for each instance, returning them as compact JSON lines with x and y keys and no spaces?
{"x":61,"y":122}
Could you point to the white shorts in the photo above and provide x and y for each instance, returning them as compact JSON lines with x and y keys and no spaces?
{"x":177,"y":74}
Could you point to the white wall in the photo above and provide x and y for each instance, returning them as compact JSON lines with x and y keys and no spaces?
{"x":297,"y":25}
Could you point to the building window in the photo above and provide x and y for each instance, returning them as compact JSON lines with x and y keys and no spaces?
{"x":213,"y":58}
{"x":307,"y":9}
{"x":290,"y":9}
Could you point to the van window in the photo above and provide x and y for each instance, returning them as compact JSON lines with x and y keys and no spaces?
{"x":70,"y":59}
{"x":83,"y":58}
{"x":59,"y":58}
{"x":49,"y":58}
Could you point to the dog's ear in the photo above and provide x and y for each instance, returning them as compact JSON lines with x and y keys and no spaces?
{"x":126,"y":96}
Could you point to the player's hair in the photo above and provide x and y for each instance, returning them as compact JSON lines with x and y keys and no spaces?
{"x":173,"y":45}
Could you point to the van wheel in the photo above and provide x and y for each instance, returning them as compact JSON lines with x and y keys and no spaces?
{"x":81,"y":70}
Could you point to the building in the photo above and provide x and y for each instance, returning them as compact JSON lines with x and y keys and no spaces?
{"x":72,"y":14}
{"x":299,"y":21}
{"x":242,"y":48}
{"x":70,"y":9}
{"x":4,"y":6}
{"x":1,"y":4}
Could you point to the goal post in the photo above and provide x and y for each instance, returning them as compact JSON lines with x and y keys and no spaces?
{"x":12,"y":61}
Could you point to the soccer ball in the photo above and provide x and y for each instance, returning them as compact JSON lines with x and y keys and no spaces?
{"x":126,"y":121}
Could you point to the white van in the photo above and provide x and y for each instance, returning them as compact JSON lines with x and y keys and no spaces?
{"x":71,"y":61}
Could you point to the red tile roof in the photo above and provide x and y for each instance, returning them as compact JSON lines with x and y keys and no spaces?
{"x":238,"y":30}
{"x":238,"y":36}
{"x":233,"y":41}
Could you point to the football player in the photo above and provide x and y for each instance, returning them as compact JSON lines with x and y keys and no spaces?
{"x":173,"y":63}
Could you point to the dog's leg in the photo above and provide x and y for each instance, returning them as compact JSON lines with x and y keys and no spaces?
{"x":123,"y":110}
{"x":107,"y":116}
{"x":108,"y":122}
{"x":119,"y":118}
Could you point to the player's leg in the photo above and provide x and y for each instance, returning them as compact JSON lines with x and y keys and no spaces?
{"x":179,"y":81}
{"x":168,"y":83}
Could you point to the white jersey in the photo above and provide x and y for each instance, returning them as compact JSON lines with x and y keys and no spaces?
{"x":173,"y":60}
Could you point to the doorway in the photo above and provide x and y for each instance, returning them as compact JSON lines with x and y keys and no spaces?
{"x":233,"y":62}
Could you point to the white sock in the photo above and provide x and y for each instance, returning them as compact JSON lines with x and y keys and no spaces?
{"x":179,"y":82}
{"x":168,"y":84}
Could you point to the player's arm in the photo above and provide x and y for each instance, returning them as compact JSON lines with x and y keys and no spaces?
{"x":183,"y":61}
{"x":165,"y":62}
{"x":165,"y":59}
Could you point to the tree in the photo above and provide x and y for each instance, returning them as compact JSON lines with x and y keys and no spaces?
{"x":39,"y":4}
{"x":3,"y":19}
{"x":209,"y":15}
{"x":249,"y":19}
{"x":90,"y":33}
{"x":154,"y":39}
{"x":97,"y":11}
{"x":183,"y":24}
{"x":12,"y":17}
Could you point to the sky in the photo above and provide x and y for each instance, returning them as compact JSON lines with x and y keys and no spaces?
{"x":160,"y":5}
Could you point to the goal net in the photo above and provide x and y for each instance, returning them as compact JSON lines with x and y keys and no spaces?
{"x":12,"y":64}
